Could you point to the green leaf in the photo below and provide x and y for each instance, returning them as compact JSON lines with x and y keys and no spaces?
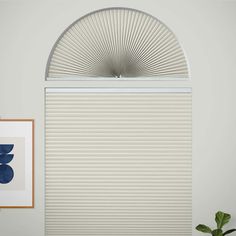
{"x":203,"y":228}
{"x":229,"y":231}
{"x":217,"y":232}
{"x":222,"y":219}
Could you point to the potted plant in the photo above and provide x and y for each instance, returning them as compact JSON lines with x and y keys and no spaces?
{"x":221,"y":219}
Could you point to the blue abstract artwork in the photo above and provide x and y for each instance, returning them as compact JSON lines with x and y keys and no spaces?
{"x":6,"y":171}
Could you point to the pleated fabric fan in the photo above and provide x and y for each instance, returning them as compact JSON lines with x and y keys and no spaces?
{"x":117,"y":42}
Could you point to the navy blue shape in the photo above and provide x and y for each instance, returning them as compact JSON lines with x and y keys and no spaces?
{"x":6,"y":148}
{"x":6,"y":158}
{"x":6,"y":174}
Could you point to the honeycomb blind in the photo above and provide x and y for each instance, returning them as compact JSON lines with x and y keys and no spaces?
{"x":116,"y":43}
{"x":118,"y":162}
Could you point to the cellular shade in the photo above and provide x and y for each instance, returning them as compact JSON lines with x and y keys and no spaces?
{"x":117,"y":42}
{"x":118,"y":162}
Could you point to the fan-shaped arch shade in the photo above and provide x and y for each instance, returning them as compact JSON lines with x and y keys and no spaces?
{"x":117,"y":42}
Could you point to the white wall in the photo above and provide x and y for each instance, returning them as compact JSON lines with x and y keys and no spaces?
{"x":207,"y":31}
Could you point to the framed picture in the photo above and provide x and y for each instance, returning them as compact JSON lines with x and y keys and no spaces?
{"x":16,"y":163}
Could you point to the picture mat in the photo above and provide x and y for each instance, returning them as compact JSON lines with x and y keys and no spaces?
{"x":17,"y":164}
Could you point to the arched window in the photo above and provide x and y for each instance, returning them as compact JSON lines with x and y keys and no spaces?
{"x":118,"y":160}
{"x":117,"y":43}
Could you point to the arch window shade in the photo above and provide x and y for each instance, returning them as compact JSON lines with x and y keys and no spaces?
{"x":117,"y":43}
{"x":118,"y":162}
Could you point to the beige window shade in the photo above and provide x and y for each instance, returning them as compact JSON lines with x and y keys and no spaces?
{"x":117,"y":43}
{"x":118,"y":162}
